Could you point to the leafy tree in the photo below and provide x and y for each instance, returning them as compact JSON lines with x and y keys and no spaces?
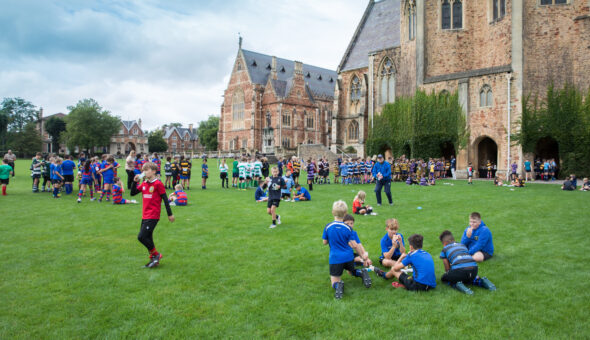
{"x":28,"y":141}
{"x":89,"y":126}
{"x":207,"y":132}
{"x":171,"y":125}
{"x":54,"y":127}
{"x":19,"y":112}
{"x":156,"y":141}
{"x":4,"y":119}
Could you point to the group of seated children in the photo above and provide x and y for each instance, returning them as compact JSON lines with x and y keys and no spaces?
{"x":460,"y":259}
{"x":299,"y":193}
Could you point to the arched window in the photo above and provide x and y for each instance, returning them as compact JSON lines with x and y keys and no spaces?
{"x":498,"y":9}
{"x":353,"y":130}
{"x":268,"y":119}
{"x":287,"y":118}
{"x":387,"y":82}
{"x":237,"y":109}
{"x":355,"y":89}
{"x":411,"y":20}
{"x":451,"y":14}
{"x":485,"y":96}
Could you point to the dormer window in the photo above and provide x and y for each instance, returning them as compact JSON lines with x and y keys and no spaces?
{"x":254,"y":63}
{"x":268,"y":67}
{"x":319,"y":77}
{"x":283,"y":69}
{"x":308,"y":75}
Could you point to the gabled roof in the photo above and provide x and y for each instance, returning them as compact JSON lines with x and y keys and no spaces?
{"x":379,"y":29}
{"x":320,"y":81}
{"x":58,"y":115}
{"x":182,"y":132}
{"x":129,"y":124}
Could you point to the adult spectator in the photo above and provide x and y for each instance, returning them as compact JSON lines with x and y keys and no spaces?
{"x":129,"y":167}
{"x":453,"y":166}
{"x":11,"y":158}
{"x":478,"y":239}
{"x":382,"y":174}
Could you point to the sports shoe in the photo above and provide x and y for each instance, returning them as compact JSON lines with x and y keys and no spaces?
{"x":279,"y":219}
{"x":338,"y":290}
{"x":366,"y":278}
{"x":487,"y":284}
{"x":396,"y":284}
{"x":379,"y":272}
{"x":93,"y":199}
{"x":373,"y":214}
{"x":155,"y":261}
{"x":172,"y":204}
{"x":272,"y":226}
{"x":462,"y":288}
{"x":133,"y":201}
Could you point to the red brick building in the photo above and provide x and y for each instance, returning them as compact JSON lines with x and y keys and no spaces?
{"x":492,"y":52}
{"x":182,"y":140}
{"x":130,"y":137}
{"x":272,"y":105}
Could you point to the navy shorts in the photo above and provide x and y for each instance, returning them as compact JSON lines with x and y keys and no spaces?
{"x":338,"y":268}
{"x":87,"y":181}
{"x":235,"y":175}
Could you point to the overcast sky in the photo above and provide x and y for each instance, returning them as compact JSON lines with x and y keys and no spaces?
{"x":162,"y":61}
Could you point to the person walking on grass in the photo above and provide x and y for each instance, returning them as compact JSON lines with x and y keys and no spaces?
{"x":5,"y":172}
{"x":153,"y":193}
{"x":382,"y":174}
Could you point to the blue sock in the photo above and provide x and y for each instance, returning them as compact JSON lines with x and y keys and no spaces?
{"x":477,"y":281}
{"x":334,"y":285}
{"x":357,"y":272}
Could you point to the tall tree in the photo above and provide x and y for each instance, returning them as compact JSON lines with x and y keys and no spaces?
{"x":54,"y":127}
{"x":156,"y":141}
{"x":4,"y":119}
{"x":20,"y":112}
{"x":89,"y":126}
{"x":28,"y":141}
{"x":207,"y":132}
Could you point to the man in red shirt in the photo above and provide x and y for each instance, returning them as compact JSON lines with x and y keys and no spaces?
{"x":154,"y":193}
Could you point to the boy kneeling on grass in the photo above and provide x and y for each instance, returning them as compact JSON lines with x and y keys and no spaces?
{"x":422,"y":263}
{"x":341,"y":239}
{"x":118,"y":193}
{"x":460,"y":267}
{"x":179,"y":197}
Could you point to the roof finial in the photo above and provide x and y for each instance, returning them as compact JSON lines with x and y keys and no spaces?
{"x":240,"y":40}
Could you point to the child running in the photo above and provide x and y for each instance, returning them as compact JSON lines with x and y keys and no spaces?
{"x":153,"y":193}
{"x":275,"y":184}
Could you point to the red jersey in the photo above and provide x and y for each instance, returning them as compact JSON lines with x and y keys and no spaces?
{"x":152,"y":200}
{"x":356,"y":206}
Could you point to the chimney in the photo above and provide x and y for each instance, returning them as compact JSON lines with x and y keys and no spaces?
{"x":139,"y":123}
{"x":273,"y":67}
{"x":190,"y":128}
{"x":298,"y":67}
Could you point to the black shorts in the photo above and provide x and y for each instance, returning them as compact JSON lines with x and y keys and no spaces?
{"x":465,"y":275}
{"x":223,"y":175}
{"x":338,"y":268}
{"x":393,"y":258}
{"x":410,"y":284}
{"x":56,"y":181}
{"x":486,"y":256}
{"x":284,"y":194}
{"x":274,"y":202}
{"x":68,"y":178}
{"x":295,"y":175}
{"x":35,"y":176}
{"x":4,"y":181}
{"x":235,"y":174}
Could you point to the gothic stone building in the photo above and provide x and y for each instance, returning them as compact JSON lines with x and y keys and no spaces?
{"x":492,"y":52}
{"x":272,"y":105}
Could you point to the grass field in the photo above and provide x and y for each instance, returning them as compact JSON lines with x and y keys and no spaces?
{"x":73,"y":270}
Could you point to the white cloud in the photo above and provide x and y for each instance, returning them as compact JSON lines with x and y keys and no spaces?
{"x":146,"y":59}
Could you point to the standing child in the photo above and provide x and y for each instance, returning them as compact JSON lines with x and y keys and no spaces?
{"x":223,"y":174}
{"x":235,"y":173}
{"x":108,"y":177}
{"x":358,"y":259}
{"x":342,"y":241}
{"x":156,"y":160}
{"x":311,"y":170}
{"x":46,"y":172}
{"x":178,"y":197}
{"x":86,"y":181}
{"x":56,"y":177}
{"x":242,"y":174}
{"x":67,"y":168}
{"x":36,"y":167}
{"x":470,"y":174}
{"x":204,"y":173}
{"x":275,"y":184}
{"x":184,"y":171}
{"x":5,"y":172}
{"x":154,"y":193}
{"x":118,"y":193}
{"x":168,"y":172}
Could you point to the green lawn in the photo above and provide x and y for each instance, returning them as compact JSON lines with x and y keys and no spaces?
{"x":73,"y":270}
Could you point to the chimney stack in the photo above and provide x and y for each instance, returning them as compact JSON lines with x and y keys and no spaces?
{"x":298,"y":67}
{"x":190,"y":128}
{"x":273,"y":67}
{"x":139,"y":123}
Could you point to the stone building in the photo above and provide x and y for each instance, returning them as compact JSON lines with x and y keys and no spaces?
{"x":182,"y":140}
{"x":492,"y":52}
{"x":130,"y":137}
{"x":47,"y":145}
{"x":272,"y":105}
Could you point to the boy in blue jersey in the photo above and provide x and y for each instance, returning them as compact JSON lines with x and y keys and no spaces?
{"x":204,"y":173}
{"x":302,"y":194}
{"x":460,"y":267}
{"x":358,"y":261}
{"x":392,"y":248}
{"x":67,"y":168}
{"x":289,"y":183}
{"x":422,"y":263}
{"x":342,"y":241}
{"x":56,"y":177}
{"x":478,"y":239}
{"x":344,"y":173}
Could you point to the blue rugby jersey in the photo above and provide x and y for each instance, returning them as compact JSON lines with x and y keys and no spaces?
{"x":338,"y":235}
{"x":386,"y":245}
{"x":423,"y":267}
{"x":458,"y":256}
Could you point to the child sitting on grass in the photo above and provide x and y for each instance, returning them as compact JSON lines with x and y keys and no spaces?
{"x":302,"y":194}
{"x":118,"y":193}
{"x":518,"y":182}
{"x":342,"y":241}
{"x":178,"y":197}
{"x":423,"y":264}
{"x":358,"y":260}
{"x":498,"y":182}
{"x":357,"y":205}
{"x":260,"y":194}
{"x":460,"y":267}
{"x":585,"y":185}
{"x":392,"y":247}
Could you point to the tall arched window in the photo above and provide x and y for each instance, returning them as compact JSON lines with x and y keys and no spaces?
{"x":387,"y":82}
{"x":411,"y":20}
{"x":451,"y":14}
{"x":485,"y":96}
{"x":498,"y":9}
{"x":355,"y":89}
{"x":353,"y":130}
{"x":237,"y":109}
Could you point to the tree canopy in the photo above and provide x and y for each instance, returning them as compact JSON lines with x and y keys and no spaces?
{"x":207,"y":132}
{"x":18,"y":113}
{"x":54,"y":127}
{"x":156,"y":141}
{"x":89,"y":126}
{"x":419,"y":125}
{"x":28,"y":141}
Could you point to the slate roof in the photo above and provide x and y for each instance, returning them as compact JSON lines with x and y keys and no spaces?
{"x":129,"y":124}
{"x":320,"y":81}
{"x":182,"y":132}
{"x":379,"y":29}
